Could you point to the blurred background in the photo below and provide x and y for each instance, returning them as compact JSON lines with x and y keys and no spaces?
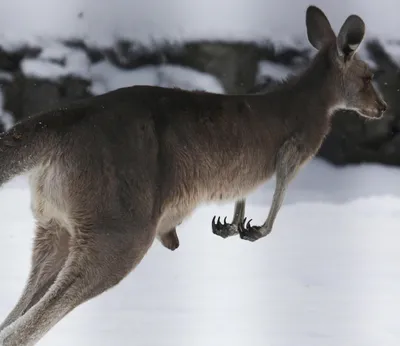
{"x":329,"y":274}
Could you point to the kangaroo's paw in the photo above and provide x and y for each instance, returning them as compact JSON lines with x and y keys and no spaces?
{"x":250,"y":233}
{"x":225,"y":229}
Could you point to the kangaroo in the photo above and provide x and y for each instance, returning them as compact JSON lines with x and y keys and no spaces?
{"x":110,"y":173}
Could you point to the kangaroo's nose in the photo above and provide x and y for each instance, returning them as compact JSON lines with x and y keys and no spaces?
{"x":382,"y":106}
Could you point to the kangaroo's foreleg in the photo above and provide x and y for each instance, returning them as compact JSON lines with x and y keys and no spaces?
{"x":290,"y":157}
{"x":225,"y":229}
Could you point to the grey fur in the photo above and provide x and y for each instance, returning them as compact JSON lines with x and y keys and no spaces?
{"x":111,"y":173}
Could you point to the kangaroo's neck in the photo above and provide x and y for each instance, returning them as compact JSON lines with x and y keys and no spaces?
{"x":312,"y":90}
{"x":304,"y":103}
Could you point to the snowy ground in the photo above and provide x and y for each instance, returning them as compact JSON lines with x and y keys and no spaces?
{"x":328,"y":274}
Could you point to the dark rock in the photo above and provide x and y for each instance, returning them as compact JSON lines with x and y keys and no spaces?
{"x":234,"y":64}
{"x":72,"y":88}
{"x":288,"y":56}
{"x":10,"y":61}
{"x":94,"y":54}
{"x":129,"y":55}
{"x":26,"y":96}
{"x":263,"y":85}
{"x":38,"y":95}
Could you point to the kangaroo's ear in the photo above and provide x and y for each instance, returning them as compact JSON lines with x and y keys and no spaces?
{"x":319,"y":30}
{"x":350,"y":36}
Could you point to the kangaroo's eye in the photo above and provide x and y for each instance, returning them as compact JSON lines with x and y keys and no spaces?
{"x":367,"y":79}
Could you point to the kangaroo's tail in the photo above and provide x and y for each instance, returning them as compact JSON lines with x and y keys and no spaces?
{"x":26,"y":145}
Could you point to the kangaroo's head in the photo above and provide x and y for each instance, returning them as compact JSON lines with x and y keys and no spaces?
{"x":351,"y":77}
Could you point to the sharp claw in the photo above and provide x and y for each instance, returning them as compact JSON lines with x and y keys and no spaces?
{"x":248,"y":224}
{"x":225,"y":229}
{"x":249,"y":232}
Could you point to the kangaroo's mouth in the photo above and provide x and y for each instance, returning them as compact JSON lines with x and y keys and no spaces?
{"x":371,"y":113}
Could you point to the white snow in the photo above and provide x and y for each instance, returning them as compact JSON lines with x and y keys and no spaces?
{"x":57,"y":61}
{"x":106,"y":77}
{"x":327,"y":275}
{"x":6,"y":76}
{"x":276,"y":71}
{"x":5,"y":117}
{"x":393,"y":49}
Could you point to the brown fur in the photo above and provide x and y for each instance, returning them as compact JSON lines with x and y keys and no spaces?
{"x":111,"y":173}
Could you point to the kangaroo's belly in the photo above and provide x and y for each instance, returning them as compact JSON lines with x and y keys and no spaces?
{"x":229,"y":190}
{"x":237,"y":181}
{"x":209,"y":185}
{"x":48,"y":200}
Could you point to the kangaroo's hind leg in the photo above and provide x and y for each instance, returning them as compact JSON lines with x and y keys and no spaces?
{"x":50,"y":251}
{"x":100,"y":257}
